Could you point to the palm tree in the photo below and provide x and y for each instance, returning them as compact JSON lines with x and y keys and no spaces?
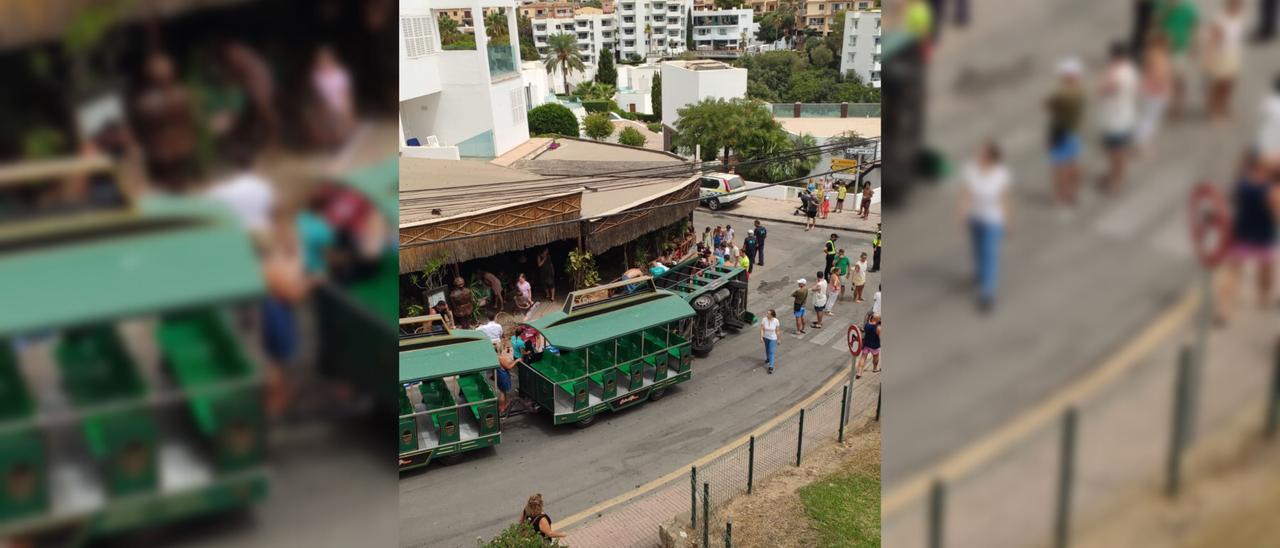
{"x":648,"y":37}
{"x":562,"y":51}
{"x":495,"y":25}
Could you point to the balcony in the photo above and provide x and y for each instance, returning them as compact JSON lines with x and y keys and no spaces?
{"x":502,"y":60}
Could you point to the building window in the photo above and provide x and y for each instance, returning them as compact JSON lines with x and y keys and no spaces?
{"x":419,"y":35}
{"x":517,"y":104}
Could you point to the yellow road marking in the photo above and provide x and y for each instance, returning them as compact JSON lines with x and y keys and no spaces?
{"x":646,"y":488}
{"x":960,"y":464}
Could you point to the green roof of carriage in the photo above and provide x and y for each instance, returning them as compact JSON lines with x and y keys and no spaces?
{"x":565,"y":332}
{"x":54,"y":280}
{"x":462,"y":351}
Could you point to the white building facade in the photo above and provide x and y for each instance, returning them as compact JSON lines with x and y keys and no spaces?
{"x":593,"y":29}
{"x":723,"y":30}
{"x":861,"y":51}
{"x":456,"y":101}
{"x":664,"y":20}
{"x":687,"y":82}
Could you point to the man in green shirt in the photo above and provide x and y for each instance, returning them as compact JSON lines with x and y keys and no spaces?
{"x":842,"y":263}
{"x":799,"y":296}
{"x":1177,"y":19}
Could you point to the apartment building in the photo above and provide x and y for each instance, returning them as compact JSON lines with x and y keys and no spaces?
{"x":723,"y":33}
{"x":548,"y":10}
{"x":595,"y":32}
{"x":820,"y":15}
{"x":761,"y":7}
{"x":466,"y":101}
{"x":861,"y":51}
{"x":652,"y":28}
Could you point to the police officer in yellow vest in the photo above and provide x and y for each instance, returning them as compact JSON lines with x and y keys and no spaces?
{"x":829,"y":249}
{"x":875,"y":252}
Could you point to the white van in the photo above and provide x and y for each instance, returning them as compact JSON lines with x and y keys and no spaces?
{"x":716,"y":189}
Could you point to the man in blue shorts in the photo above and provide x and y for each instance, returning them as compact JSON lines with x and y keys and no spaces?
{"x":800,"y":295}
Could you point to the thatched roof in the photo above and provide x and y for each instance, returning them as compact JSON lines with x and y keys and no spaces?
{"x":442,"y":199}
{"x":636,"y":219}
{"x":510,"y":222}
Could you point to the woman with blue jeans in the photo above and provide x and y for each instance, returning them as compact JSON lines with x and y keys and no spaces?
{"x":984,"y":200}
{"x":769,"y":335}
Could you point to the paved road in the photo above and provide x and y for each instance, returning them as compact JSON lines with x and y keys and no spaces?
{"x":729,"y":395}
{"x":1073,"y":289}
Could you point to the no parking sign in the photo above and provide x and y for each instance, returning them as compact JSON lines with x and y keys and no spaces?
{"x":854,"y":338}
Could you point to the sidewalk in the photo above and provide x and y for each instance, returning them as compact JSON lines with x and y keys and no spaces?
{"x":1122,"y":444}
{"x":780,"y":211}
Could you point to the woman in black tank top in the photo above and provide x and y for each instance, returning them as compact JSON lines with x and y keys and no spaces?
{"x":540,"y":522}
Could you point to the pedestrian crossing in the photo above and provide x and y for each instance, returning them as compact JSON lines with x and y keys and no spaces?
{"x":832,"y":334}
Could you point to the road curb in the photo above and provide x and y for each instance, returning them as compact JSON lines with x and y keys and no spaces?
{"x":577,"y":519}
{"x":790,"y":222}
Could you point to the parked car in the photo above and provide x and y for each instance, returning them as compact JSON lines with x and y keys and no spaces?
{"x":721,"y":189}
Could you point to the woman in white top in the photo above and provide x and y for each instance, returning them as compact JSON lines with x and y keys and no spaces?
{"x":1225,"y":58}
{"x":984,"y":200}
{"x":769,"y":336}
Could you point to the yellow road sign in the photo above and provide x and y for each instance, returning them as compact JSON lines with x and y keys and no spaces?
{"x":843,"y":163}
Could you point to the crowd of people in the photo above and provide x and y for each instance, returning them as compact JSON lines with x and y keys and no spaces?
{"x":817,"y":197}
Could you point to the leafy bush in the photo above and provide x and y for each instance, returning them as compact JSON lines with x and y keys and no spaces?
{"x":631,"y":137}
{"x":655,"y":127}
{"x":553,"y":118}
{"x":598,"y":126}
{"x":599,"y":106}
{"x":518,"y":535}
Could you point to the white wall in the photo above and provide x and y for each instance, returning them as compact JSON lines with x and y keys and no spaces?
{"x":859,"y":53}
{"x":575,"y":77}
{"x":638,"y":98}
{"x":420,"y":75}
{"x":430,"y":153}
{"x":638,"y":78}
{"x":681,"y":87}
{"x":510,"y":123}
{"x":534,"y":75}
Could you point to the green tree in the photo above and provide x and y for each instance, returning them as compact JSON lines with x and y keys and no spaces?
{"x":631,"y":137}
{"x":495,"y":27}
{"x":562,"y":52}
{"x":524,"y":27}
{"x":594,"y":91}
{"x":655,"y":94}
{"x":718,"y":125}
{"x":769,"y":30}
{"x":769,"y":73}
{"x":821,"y":56}
{"x":728,"y":4}
{"x":688,"y":29}
{"x":835,"y":39}
{"x":606,"y":73}
{"x":648,"y":38}
{"x":598,"y":126}
{"x":808,"y":86}
{"x":553,"y":118}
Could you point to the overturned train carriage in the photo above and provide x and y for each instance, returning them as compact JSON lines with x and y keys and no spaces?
{"x":718,"y":296}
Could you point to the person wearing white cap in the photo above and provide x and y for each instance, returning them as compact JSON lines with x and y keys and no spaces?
{"x":800,"y":295}
{"x":1119,"y":112}
{"x":1066,"y":110}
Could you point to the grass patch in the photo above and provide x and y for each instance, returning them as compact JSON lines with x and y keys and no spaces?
{"x":845,"y":507}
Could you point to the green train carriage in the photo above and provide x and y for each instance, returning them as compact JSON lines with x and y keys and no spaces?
{"x":610,"y":347}
{"x":448,"y":404}
{"x":126,"y":400}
